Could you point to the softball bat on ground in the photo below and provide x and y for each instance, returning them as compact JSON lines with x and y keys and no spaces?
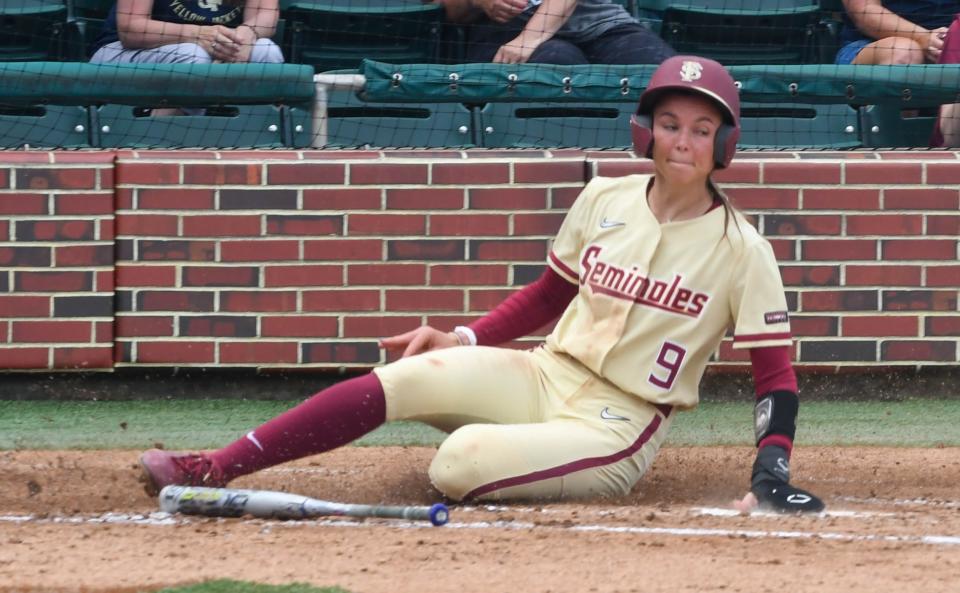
{"x":267,"y":504}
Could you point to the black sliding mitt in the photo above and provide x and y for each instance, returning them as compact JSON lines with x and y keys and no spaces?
{"x":770,"y":483}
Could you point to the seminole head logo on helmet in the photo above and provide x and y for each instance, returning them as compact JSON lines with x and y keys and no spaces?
{"x":691,"y":74}
{"x":690,"y":71}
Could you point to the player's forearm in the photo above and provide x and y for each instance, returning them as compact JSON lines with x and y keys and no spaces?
{"x":774,"y":378}
{"x":878,"y":22}
{"x":526,"y":310}
{"x":547,"y":20}
{"x":775,"y":424}
{"x":772,"y":370}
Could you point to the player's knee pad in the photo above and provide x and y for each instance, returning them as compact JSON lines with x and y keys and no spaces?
{"x":456,"y":469}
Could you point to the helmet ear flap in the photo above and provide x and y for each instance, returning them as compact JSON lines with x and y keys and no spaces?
{"x":641,"y":128}
{"x":725,"y":144}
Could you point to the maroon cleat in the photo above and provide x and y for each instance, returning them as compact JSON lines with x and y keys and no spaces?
{"x":163,"y":468}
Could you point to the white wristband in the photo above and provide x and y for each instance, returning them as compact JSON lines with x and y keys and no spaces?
{"x":466,"y":332}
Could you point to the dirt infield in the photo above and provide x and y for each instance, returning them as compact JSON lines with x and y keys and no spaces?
{"x":78,"y":521}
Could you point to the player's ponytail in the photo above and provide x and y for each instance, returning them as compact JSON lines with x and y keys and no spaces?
{"x":728,"y":209}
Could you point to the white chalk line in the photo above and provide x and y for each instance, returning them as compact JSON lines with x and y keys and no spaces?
{"x":759,"y":534}
{"x":164,"y":519}
{"x":158,"y":518}
{"x":720,"y":512}
{"x":705,"y":511}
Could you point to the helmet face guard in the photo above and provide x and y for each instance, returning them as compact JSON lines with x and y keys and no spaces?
{"x":693,"y":75}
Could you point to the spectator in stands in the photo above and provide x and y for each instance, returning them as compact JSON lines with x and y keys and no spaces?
{"x":894,"y":31}
{"x":899,"y":32}
{"x":554,"y":32}
{"x":948,"y":130}
{"x":189,"y":32}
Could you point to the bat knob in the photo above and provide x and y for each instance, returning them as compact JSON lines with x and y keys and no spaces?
{"x":439,"y":514}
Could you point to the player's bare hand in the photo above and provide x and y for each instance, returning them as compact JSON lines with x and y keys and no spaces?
{"x":420,"y":340}
{"x":935,"y":44}
{"x":501,"y":11}
{"x":222,"y":43}
{"x":746,"y":504}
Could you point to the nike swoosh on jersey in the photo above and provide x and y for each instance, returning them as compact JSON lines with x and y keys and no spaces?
{"x":606,"y":415}
{"x":253,"y":439}
{"x":608,"y":224}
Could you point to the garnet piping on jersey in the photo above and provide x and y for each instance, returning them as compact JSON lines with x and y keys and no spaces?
{"x":573,"y":276}
{"x":580,"y":464}
{"x":762,"y":337}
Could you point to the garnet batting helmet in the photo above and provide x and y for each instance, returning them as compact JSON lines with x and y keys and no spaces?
{"x":691,"y":74}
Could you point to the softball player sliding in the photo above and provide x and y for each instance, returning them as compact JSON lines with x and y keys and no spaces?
{"x":645,"y":275}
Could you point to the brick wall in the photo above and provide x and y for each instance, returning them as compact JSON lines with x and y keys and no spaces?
{"x":304,"y":259}
{"x":56,"y":260}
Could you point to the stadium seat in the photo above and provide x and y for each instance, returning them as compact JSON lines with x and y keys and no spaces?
{"x":796,"y":125}
{"x":555,"y":125}
{"x":245,"y":126}
{"x":453,"y":43}
{"x":832,"y":6}
{"x":338,"y":34}
{"x":353,"y":122}
{"x":32,"y":30}
{"x":86,"y":23}
{"x":891,"y":126}
{"x":831,"y":22}
{"x":606,"y":125}
{"x":44,"y":126}
{"x":240,"y":102}
{"x":741,"y":31}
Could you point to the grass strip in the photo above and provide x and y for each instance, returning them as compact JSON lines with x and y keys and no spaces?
{"x":203,"y":424}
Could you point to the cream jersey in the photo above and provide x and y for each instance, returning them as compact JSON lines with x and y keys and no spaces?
{"x":655,"y":300}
